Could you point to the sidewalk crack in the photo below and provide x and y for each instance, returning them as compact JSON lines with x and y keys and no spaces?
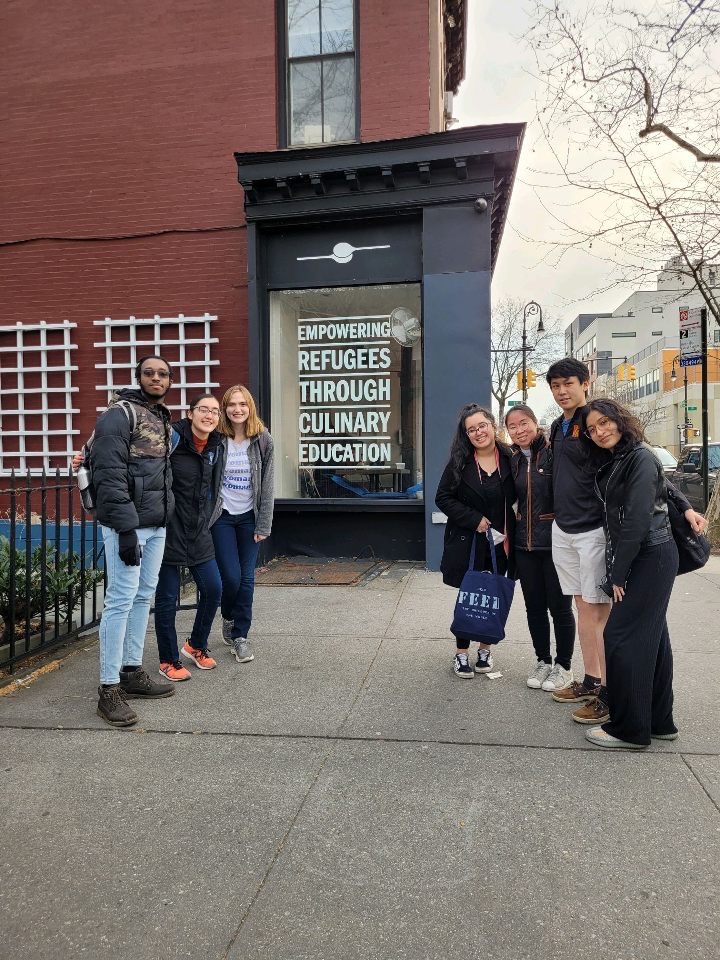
{"x":704,"y":789}
{"x":281,"y":846}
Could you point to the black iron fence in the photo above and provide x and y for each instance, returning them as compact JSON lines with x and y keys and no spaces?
{"x":52,"y":575}
{"x":52,"y":566}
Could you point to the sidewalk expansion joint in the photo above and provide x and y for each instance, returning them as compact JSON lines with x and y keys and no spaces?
{"x":359,"y":738}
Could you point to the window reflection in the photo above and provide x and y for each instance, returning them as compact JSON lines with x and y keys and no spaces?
{"x":303,"y":26}
{"x":321,"y":71}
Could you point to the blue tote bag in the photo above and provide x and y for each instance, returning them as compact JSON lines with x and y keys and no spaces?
{"x":483,"y":600}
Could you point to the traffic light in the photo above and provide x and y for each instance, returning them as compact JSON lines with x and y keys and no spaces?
{"x":520,"y":384}
{"x":622,"y":371}
{"x":630,"y":372}
{"x":531,"y":380}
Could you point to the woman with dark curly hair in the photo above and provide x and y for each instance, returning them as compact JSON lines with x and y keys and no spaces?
{"x":476,"y":492}
{"x":641,"y":564}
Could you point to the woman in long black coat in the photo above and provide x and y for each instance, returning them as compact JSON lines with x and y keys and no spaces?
{"x":476,"y":492}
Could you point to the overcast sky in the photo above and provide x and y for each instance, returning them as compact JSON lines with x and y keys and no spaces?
{"x":499,"y":88}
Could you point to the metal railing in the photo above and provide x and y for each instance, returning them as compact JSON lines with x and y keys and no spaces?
{"x":52,"y":576}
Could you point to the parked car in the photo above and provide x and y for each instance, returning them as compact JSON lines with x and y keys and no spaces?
{"x":667,"y":460}
{"x":687,"y":476}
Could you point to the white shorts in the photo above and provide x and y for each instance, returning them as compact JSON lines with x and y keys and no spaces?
{"x":579,"y":559}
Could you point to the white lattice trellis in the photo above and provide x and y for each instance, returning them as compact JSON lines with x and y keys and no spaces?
{"x":30,"y":367}
{"x":190,"y":376}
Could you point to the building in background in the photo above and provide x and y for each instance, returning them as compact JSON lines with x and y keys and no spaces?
{"x":604,"y":339}
{"x":643,"y":333}
{"x":347,"y":280}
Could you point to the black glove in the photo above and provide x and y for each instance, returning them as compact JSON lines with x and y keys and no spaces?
{"x":129,"y":549}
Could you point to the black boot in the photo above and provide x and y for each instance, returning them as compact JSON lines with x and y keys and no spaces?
{"x":113,"y":709}
{"x":136,"y":684}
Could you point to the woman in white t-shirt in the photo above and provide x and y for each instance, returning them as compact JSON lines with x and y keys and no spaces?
{"x":247,"y":511}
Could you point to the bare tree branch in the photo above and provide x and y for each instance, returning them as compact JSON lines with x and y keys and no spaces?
{"x":630,"y":114}
{"x":671,"y":135}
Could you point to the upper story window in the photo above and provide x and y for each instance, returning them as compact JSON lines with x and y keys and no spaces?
{"x":320,"y":71}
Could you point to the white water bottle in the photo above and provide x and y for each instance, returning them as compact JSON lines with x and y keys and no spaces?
{"x":86,"y":494}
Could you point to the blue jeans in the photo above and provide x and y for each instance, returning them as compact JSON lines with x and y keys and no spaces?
{"x":127,"y":601}
{"x":207,"y":578}
{"x":236,"y":555}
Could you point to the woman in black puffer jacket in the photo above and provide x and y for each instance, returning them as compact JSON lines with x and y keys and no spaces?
{"x":531,"y":466}
{"x":641,"y":564}
{"x":198,"y":460}
{"x":475,"y":492}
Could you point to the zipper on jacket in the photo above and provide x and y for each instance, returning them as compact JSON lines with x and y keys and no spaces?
{"x":529,"y":502}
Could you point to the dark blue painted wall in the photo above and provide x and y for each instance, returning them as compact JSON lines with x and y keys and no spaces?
{"x":63,"y":539}
{"x":456,"y":329}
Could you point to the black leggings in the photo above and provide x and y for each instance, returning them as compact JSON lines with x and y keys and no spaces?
{"x":541,"y":590}
{"x":637,"y":649}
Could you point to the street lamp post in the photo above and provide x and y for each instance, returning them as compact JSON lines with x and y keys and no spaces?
{"x":532,"y":309}
{"x":673,"y":378}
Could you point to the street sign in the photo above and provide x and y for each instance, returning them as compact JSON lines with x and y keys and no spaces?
{"x":690,"y":337}
{"x":513,"y":403}
{"x":692,"y":408}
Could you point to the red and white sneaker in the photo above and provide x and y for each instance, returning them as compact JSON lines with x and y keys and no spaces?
{"x":201,"y":658}
{"x":175,"y":671}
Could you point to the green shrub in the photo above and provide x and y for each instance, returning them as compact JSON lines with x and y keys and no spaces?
{"x":62,"y":583}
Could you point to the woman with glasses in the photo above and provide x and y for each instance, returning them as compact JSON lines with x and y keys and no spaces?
{"x":532,"y":472}
{"x":246,"y":517}
{"x":476,"y":492}
{"x":641,"y":564}
{"x":197,"y":461}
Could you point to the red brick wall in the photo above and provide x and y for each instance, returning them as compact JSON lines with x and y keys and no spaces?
{"x":123,"y":117}
{"x":190,"y":274}
{"x":394,"y":68}
{"x":121,"y":120}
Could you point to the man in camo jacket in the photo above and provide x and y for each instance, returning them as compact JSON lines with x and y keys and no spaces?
{"x":130,"y":467}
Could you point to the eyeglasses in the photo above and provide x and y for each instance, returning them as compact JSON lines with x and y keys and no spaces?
{"x":149,"y":372}
{"x":207,"y":411}
{"x":602,"y":423}
{"x":471,"y":431}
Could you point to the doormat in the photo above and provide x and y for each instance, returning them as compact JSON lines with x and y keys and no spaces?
{"x":314,"y":572}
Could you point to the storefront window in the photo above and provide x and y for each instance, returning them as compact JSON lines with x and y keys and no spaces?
{"x":346,"y":392}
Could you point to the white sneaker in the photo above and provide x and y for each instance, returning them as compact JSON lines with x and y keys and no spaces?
{"x":240,"y":649}
{"x":539,"y":675}
{"x":558,"y":679}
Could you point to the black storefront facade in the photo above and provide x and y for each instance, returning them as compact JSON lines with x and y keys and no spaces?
{"x":369,"y":327}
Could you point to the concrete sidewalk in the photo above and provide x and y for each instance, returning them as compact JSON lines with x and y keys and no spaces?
{"x":345,"y":796}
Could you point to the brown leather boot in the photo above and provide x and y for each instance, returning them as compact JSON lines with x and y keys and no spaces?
{"x":113,"y":709}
